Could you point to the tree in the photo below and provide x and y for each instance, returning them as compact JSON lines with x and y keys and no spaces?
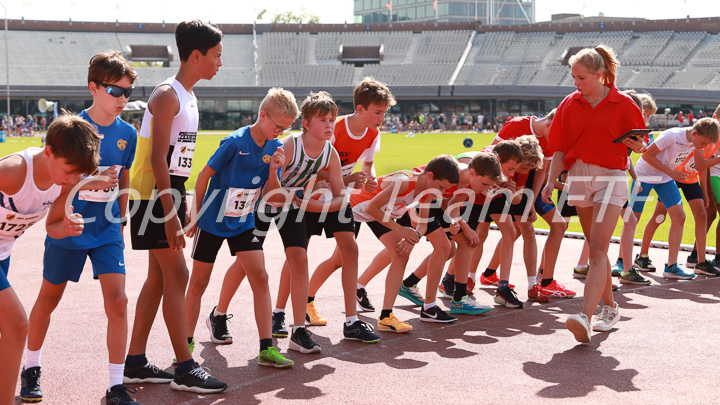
{"x":290,"y":17}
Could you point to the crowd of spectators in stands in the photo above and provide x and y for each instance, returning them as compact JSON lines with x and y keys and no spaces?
{"x":23,"y":126}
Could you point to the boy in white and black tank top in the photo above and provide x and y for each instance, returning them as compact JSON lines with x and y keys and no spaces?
{"x":32,"y":181}
{"x":162,"y":165}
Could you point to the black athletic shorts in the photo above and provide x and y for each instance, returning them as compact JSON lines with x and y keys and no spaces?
{"x":147,"y":231}
{"x":691,"y":191}
{"x":290,"y":224}
{"x":380,"y":229}
{"x":337,"y":221}
{"x":207,"y":245}
{"x":481,"y":212}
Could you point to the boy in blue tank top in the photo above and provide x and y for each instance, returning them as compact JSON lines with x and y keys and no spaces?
{"x":30,"y":182}
{"x":246,"y":165}
{"x":110,"y":80}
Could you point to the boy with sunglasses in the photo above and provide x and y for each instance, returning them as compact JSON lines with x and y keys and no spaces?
{"x":110,"y":81}
{"x":166,"y":144}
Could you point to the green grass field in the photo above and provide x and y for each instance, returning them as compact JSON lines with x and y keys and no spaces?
{"x":401,"y":152}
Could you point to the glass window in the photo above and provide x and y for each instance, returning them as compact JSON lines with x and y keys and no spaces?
{"x":358,"y":5}
{"x":429,"y":11}
{"x":458,"y":9}
{"x":443,"y":9}
{"x":221,"y":106}
{"x":367,"y":5}
{"x":206,"y":105}
{"x":420,"y":12}
{"x":402,"y":14}
{"x":401,"y":2}
{"x":233,"y":105}
{"x":411,"y":13}
{"x":375,"y":4}
{"x":410,"y":1}
{"x":367,"y":18}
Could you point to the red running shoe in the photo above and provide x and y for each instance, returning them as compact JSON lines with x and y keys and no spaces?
{"x":491,"y":280}
{"x":537,"y":295}
{"x":470,"y":285}
{"x":556,"y":289}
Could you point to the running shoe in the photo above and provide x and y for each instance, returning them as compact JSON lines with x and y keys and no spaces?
{"x":120,"y":395}
{"x":217,"y":325}
{"x":447,"y":287}
{"x":633,"y":277}
{"x":691,"y":262}
{"x":579,"y":325}
{"x":706,"y":269}
{"x":580,"y":272}
{"x":676,"y":272}
{"x":643,"y":263}
{"x":492,"y":280}
{"x":392,"y":324}
{"x":313,"y":317}
{"x":191,"y":345}
{"x":536,"y":295}
{"x":508,"y":298}
{"x":617,"y":268}
{"x":278,"y":325}
{"x":607,"y":319}
{"x":556,"y":289}
{"x":363,"y":301}
{"x":615,"y":287}
{"x":361,"y":331}
{"x":411,"y":293}
{"x":539,"y":276}
{"x":716,"y":263}
{"x":302,"y":342}
{"x":197,"y":380}
{"x":435,"y":314}
{"x":467,"y":306}
{"x":470,"y":286}
{"x":149,"y":373}
{"x":30,"y":385}
{"x":271,"y":357}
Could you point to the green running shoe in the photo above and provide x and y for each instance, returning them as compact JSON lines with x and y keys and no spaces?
{"x":272,"y":357}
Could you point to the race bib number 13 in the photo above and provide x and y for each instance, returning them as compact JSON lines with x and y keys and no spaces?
{"x":182,"y":157}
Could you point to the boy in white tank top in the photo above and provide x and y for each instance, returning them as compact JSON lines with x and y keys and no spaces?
{"x":30,"y":182}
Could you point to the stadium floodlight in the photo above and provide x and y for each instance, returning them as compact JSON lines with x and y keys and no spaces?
{"x":7,"y":62}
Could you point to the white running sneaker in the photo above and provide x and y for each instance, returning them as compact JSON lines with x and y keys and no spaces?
{"x":579,"y":325}
{"x":607,"y":319}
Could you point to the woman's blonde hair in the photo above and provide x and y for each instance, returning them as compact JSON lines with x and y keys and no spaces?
{"x":532,"y":153}
{"x":594,"y":59}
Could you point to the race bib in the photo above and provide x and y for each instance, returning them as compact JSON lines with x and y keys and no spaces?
{"x":108,"y":194}
{"x":182,"y":157}
{"x":347,"y":169}
{"x":679,"y":158}
{"x":241,"y":201}
{"x":14,"y":224}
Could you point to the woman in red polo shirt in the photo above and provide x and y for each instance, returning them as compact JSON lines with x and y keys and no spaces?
{"x":581,"y":135}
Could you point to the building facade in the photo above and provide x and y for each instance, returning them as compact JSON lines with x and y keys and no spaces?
{"x":504,"y":12}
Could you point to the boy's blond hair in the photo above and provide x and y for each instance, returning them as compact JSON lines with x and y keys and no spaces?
{"x":551,"y":115}
{"x":648,"y":103}
{"x":707,"y":128}
{"x":370,"y":91}
{"x":318,"y":105}
{"x":280,"y":102}
{"x":532,"y":153}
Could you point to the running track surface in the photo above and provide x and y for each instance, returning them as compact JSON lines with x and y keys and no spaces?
{"x":664,"y":347}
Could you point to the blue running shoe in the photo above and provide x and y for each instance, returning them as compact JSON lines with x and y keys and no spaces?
{"x":411,"y":293}
{"x":467,"y":306}
{"x":618,"y":269}
{"x":676,"y":272}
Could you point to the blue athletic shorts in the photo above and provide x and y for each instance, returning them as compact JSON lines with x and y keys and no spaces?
{"x":61,"y":265}
{"x":668,"y":194}
{"x":4,"y":267}
{"x":541,"y":207}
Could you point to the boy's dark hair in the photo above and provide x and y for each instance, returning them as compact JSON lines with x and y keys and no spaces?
{"x":318,"y":105}
{"x":487,"y":164}
{"x":708,"y":128}
{"x":634,"y":96}
{"x":75,"y":140}
{"x":444,"y":167}
{"x":195,"y":34}
{"x":370,"y":91}
{"x":110,"y":67}
{"x":507,"y":150}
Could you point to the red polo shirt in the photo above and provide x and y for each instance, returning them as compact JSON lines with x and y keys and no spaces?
{"x":521,"y":126}
{"x":586,"y":133}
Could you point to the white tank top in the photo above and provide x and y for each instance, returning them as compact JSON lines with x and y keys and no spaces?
{"x":30,"y":200}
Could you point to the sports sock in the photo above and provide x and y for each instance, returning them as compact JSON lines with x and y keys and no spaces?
{"x":448,"y":276}
{"x":32,"y":358}
{"x":191,"y":340}
{"x":546,"y":282}
{"x":351,"y":320}
{"x":471,"y":276}
{"x":279,"y":311}
{"x":503,"y":284}
{"x":411,"y":280}
{"x":360,"y":286}
{"x":460,"y":291}
{"x":265,"y":344}
{"x":295,"y":328}
{"x":116,"y":374}
{"x":385,"y":313}
{"x":489,"y":272}
{"x":184,"y":366}
{"x":430,"y":305}
{"x":135,"y":360}
{"x":218,"y":313}
{"x":717,"y":257}
{"x":310,"y":299}
{"x":531,"y":282}
{"x":693,"y":254}
{"x":619,"y":260}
